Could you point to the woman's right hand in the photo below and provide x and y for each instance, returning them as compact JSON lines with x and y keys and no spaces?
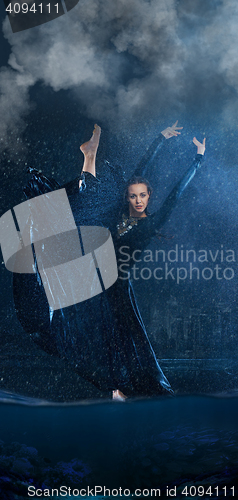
{"x":171,"y":131}
{"x":200,"y":146}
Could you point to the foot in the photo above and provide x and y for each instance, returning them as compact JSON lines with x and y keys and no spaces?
{"x":89,"y":149}
{"x":118,"y":395}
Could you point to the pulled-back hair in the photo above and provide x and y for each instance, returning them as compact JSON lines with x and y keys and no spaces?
{"x":135,"y":180}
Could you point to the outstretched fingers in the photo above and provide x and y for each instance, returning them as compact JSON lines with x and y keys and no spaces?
{"x":197,"y":143}
{"x":172,"y":131}
{"x":174,"y":127}
{"x":200,"y":145}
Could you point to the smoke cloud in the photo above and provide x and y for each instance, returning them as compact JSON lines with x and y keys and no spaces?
{"x":127,"y":60}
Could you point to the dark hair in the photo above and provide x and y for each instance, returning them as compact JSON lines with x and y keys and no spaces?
{"x":135,"y":180}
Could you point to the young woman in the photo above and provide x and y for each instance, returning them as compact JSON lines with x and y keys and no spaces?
{"x":104,"y":338}
{"x":135,"y":368}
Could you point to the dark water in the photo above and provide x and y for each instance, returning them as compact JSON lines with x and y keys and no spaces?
{"x":170,"y":442}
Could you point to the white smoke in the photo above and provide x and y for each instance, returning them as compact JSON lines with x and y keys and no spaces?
{"x":124,"y":60}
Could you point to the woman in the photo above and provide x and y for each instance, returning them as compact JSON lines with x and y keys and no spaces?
{"x":135,"y":367}
{"x":104,"y":338}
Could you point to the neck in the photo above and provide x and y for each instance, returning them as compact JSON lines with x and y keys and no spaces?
{"x":137,"y":215}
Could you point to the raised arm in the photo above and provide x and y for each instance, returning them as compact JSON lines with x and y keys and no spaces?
{"x":140,"y":234}
{"x":151,"y":153}
{"x":159,"y":218}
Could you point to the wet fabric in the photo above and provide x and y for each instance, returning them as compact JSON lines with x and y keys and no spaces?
{"x":103,"y":338}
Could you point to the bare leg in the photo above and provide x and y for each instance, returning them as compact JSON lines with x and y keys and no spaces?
{"x":89,"y":149}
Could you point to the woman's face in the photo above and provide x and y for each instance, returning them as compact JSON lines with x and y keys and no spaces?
{"x":138,"y":198}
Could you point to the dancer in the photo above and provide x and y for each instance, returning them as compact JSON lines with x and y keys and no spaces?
{"x":134,"y":355}
{"x":104,"y":337}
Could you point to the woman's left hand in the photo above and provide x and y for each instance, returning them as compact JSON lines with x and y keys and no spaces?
{"x":171,"y":131}
{"x":200,"y":146}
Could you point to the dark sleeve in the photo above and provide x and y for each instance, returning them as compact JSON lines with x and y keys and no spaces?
{"x":140,"y":235}
{"x":39,"y":184}
{"x":158,"y":219}
{"x":148,"y":158}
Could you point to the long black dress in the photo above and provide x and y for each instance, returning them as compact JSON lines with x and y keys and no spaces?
{"x":104,"y":337}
